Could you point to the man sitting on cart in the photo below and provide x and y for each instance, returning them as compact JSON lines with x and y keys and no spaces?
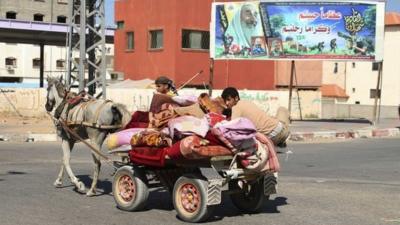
{"x":276,"y":128}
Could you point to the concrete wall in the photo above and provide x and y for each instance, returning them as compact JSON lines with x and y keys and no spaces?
{"x":23,"y":102}
{"x":308,"y":103}
{"x":340,"y":111}
{"x":25,"y":9}
{"x":332,"y":76}
{"x":269,"y":101}
{"x":30,"y":102}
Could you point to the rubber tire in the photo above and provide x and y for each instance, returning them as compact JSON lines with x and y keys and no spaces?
{"x":204,"y":211}
{"x":141,"y":193}
{"x":250,"y":202}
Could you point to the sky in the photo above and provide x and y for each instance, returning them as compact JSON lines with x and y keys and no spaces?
{"x":110,"y":12}
{"x":391,"y":6}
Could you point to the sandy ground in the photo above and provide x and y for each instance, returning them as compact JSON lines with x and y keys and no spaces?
{"x":15,"y":124}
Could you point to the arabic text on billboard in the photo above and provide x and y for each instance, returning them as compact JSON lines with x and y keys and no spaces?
{"x":296,"y":30}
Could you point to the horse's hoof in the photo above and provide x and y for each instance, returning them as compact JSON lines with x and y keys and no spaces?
{"x":57,"y":183}
{"x":91,"y":193}
{"x":81,"y":187}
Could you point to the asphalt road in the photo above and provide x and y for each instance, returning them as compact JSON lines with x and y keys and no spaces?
{"x":341,"y":183}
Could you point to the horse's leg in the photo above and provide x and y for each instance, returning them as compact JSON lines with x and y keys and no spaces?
{"x":67,"y":148}
{"x":96,"y":172}
{"x":97,"y":139}
{"x":58,"y":182}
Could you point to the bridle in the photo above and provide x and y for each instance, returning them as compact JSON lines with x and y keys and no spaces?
{"x":61,"y":93}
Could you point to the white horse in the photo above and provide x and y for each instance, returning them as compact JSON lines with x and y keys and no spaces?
{"x":98,"y":118}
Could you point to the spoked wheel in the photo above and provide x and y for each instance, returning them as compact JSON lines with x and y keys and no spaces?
{"x":190,"y":199}
{"x":129,"y":189}
{"x":251,"y":197}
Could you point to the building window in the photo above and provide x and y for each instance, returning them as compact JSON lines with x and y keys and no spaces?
{"x":353,"y":90}
{"x":39,"y":0}
{"x":120,"y":24}
{"x":11,"y":61}
{"x":353,"y":65}
{"x":62,"y":1}
{"x":335,"y":69}
{"x":38,"y":17}
{"x":36,"y":63}
{"x":11,"y":15}
{"x":193,"y":39}
{"x":130,"y":40}
{"x":61,"y":19}
{"x":375,"y":66}
{"x":373,"y":93}
{"x":60,"y":64}
{"x":156,"y":39}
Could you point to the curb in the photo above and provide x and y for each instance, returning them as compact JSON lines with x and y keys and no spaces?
{"x":29,"y":137}
{"x":363,"y":133}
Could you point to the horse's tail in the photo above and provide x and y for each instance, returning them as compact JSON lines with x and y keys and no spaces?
{"x":121,"y":115}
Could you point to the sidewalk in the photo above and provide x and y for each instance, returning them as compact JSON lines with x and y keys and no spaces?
{"x":343,"y":129}
{"x":33,"y":129}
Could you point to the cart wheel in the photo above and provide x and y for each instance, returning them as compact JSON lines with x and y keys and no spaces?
{"x":129,"y":189}
{"x":251,"y":198}
{"x":190,"y":199}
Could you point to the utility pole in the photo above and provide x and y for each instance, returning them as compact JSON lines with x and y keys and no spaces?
{"x":87,"y":36}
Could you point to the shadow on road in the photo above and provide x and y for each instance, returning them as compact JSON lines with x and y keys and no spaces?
{"x":15,"y":172}
{"x":360,"y":120}
{"x":227,"y":209}
{"x":104,"y":187}
{"x":161,"y":199}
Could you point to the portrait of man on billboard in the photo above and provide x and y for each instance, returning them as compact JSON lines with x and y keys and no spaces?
{"x":275,"y":47}
{"x":244,"y":25}
{"x":258,"y":46}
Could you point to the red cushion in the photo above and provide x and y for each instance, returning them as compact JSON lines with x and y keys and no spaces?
{"x":148,"y":156}
{"x":139,"y":119}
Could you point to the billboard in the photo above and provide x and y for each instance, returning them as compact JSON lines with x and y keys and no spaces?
{"x":298,"y":30}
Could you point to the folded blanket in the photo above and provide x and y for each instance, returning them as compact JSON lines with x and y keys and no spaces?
{"x":188,"y":125}
{"x":273,"y":162}
{"x":150,"y":138}
{"x":160,"y":119}
{"x":194,"y":147}
{"x":237,"y":129}
{"x":185,"y":100}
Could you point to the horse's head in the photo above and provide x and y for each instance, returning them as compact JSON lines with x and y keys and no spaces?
{"x":55,"y":92}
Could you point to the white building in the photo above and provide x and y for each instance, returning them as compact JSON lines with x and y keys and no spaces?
{"x":352,"y":85}
{"x":20,"y":63}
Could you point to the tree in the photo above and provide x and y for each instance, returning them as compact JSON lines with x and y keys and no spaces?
{"x":370,"y":19}
{"x":277,"y":22}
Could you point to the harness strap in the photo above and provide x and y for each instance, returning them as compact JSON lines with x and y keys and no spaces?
{"x":80,"y":108}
